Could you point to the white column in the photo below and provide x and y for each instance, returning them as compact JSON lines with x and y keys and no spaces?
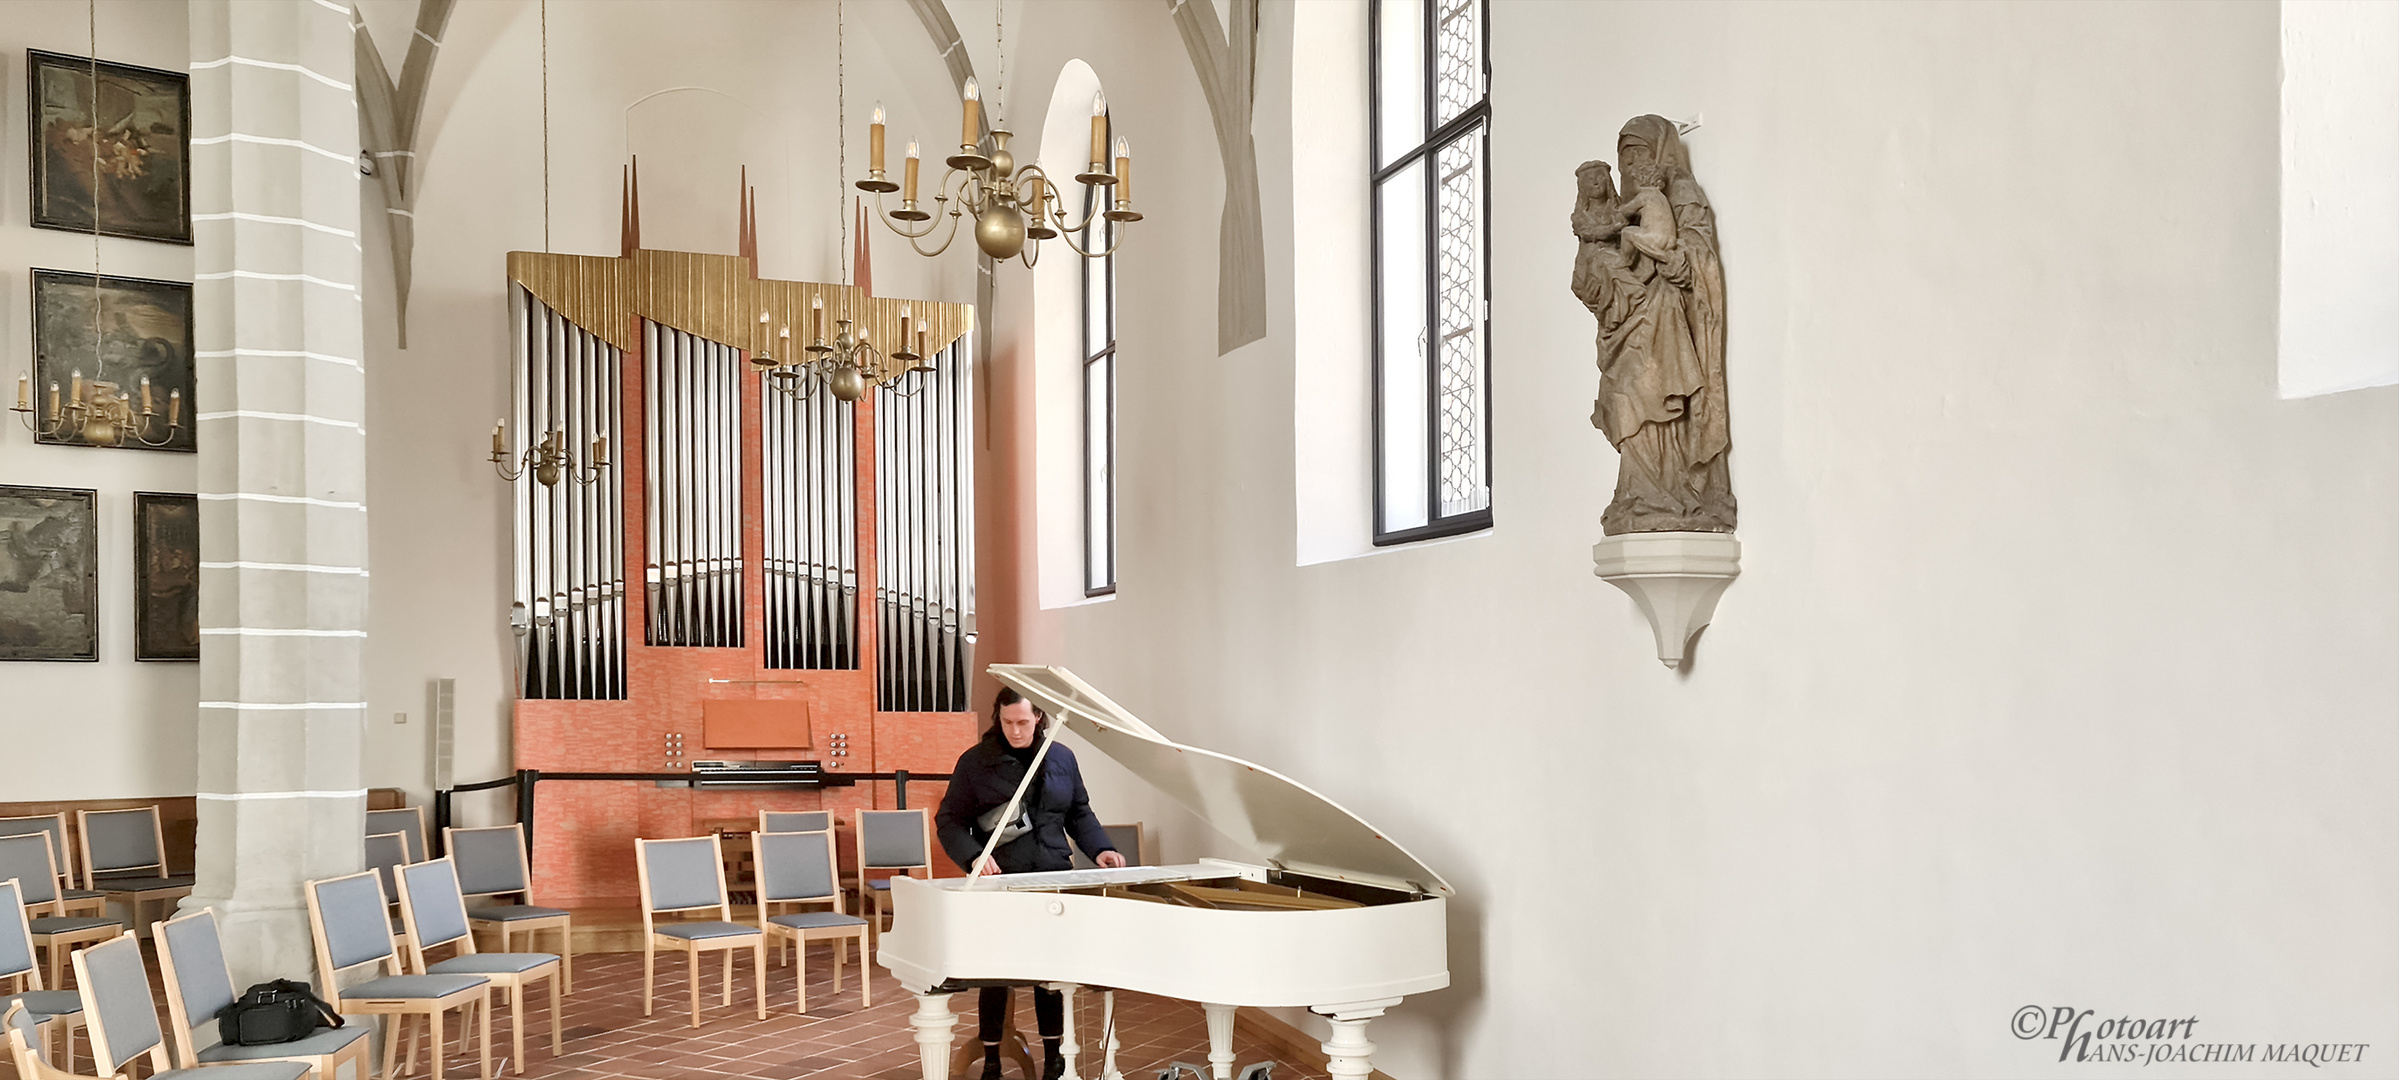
{"x":275,"y":193}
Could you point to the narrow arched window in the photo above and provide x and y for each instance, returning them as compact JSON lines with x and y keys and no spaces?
{"x":1099,"y":398}
{"x":1431,"y":115}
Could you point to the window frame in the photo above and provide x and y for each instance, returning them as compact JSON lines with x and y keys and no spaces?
{"x":1426,"y":151}
{"x":1097,"y":227}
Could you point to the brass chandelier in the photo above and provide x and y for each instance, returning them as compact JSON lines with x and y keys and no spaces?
{"x":99,"y":413}
{"x":848,"y":363}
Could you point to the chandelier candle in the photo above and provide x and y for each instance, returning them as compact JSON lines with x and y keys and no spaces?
{"x":971,"y":132}
{"x":1099,"y":131}
{"x":1124,"y":172}
{"x":816,"y":308}
{"x":874,"y":142}
{"x":908,"y":183}
{"x":24,"y":392}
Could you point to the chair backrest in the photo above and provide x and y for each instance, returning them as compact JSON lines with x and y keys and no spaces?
{"x":27,"y":859}
{"x":681,"y":874}
{"x":894,"y":839}
{"x":489,"y":860}
{"x":352,"y":922}
{"x":24,"y":1040}
{"x":1130,"y":841}
{"x":431,"y":905}
{"x":16,"y":938}
{"x":386,"y":852}
{"x":116,"y":841}
{"x":52,"y":825}
{"x":795,"y":821}
{"x":796,"y":866}
{"x":408,"y":821}
{"x":191,"y":959}
{"x":117,"y":1009}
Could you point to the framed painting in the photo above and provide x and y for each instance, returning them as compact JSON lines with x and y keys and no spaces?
{"x":119,"y":335}
{"x":166,"y":572}
{"x":111,"y":147}
{"x":49,"y":573}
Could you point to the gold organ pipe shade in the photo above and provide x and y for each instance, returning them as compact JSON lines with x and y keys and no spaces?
{"x":714,"y":297}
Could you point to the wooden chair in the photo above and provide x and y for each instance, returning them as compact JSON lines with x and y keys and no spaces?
{"x":688,"y":874}
{"x":1132,"y":841}
{"x":27,"y":859}
{"x":125,"y":857}
{"x":33,"y":1062}
{"x":55,"y":1012}
{"x":386,"y":853}
{"x":199,"y":984}
{"x":71,"y":900}
{"x":898,"y":841}
{"x":491,"y":862}
{"x":346,"y":918}
{"x":123,"y":1020}
{"x":795,"y":821}
{"x":435,"y":913}
{"x":797,"y":868}
{"x":408,"y":821}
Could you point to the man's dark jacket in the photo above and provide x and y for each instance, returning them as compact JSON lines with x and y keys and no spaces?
{"x":984,"y":778}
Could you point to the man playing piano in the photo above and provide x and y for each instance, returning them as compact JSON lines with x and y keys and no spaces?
{"x":1055,"y":807}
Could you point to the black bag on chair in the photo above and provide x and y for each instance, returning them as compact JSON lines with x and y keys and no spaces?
{"x":274,"y":1012}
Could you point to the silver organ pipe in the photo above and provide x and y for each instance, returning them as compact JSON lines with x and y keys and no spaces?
{"x":569,"y":559}
{"x":691,"y":389}
{"x":925,"y":550}
{"x":811,"y":521}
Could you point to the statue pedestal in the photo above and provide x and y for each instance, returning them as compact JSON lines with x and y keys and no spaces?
{"x":1675,"y":577}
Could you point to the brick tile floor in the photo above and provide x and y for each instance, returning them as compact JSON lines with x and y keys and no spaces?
{"x":607,"y":1038}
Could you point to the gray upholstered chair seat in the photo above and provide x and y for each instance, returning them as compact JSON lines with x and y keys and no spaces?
{"x":142,"y":883}
{"x":79,"y":894}
{"x":880,"y":885}
{"x":44,"y":1004}
{"x":325,"y":1041}
{"x":68,"y":924}
{"x":512,"y":913}
{"x":702,"y":931}
{"x":412,"y":986}
{"x":816,"y":920}
{"x":259,"y":1070}
{"x":492,"y":963}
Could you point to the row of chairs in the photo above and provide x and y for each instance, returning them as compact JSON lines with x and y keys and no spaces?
{"x":115,"y":856}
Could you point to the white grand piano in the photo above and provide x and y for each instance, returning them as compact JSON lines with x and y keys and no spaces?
{"x":1333,"y":917}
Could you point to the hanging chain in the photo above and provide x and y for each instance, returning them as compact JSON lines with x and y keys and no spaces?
{"x":841,"y":123}
{"x":999,"y":45}
{"x":545,"y":126}
{"x":92,"y":19}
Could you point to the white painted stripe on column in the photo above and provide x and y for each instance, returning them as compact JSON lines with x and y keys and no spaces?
{"x":227,"y":354}
{"x":262,"y":631}
{"x":245,"y":61}
{"x":410,"y":214}
{"x":393,"y":153}
{"x":240,"y":796}
{"x":221,"y":275}
{"x":329,"y":5}
{"x":303,"y":418}
{"x":262,"y":140}
{"x":236,"y":215}
{"x":284,"y":706}
{"x":302,"y":500}
{"x":296,"y":568}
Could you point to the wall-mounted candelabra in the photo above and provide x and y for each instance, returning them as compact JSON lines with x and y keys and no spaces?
{"x":1010,"y":203}
{"x":98,"y":413}
{"x":548,"y":460}
{"x":846,"y":364}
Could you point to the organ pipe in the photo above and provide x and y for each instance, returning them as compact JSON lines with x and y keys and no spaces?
{"x":569,"y":559}
{"x":691,"y":390}
{"x":925,"y":549}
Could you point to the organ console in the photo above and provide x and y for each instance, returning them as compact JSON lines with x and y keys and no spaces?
{"x":1333,"y":916}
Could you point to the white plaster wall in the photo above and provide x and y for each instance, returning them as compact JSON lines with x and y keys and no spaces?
{"x":2340,"y":196}
{"x":2060,"y":670}
{"x":134,"y":724}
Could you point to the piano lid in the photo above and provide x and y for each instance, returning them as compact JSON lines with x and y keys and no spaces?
{"x":1282,"y":820}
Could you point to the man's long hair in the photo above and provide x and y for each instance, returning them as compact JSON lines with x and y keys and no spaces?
{"x":1008,"y":696}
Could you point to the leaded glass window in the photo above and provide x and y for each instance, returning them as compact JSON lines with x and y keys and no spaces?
{"x":1099,"y":400}
{"x":1432,"y":118}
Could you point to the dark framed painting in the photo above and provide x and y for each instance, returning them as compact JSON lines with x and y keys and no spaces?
{"x":49,"y":573}
{"x":114,"y":332}
{"x":112,"y":147}
{"x":166,"y":576}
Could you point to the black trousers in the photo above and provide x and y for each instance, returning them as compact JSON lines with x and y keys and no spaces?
{"x":1049,"y":1011}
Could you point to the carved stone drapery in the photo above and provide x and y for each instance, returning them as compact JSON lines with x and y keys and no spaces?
{"x":1227,"y":65}
{"x":1648,"y":267}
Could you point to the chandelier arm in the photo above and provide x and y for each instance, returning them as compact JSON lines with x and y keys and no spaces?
{"x":1112,"y":245}
{"x":885,"y":214}
{"x":500,"y":465}
{"x":945,"y":241}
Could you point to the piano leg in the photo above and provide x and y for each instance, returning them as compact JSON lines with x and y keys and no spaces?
{"x":1068,"y":1048}
{"x":933,"y":1022}
{"x":1348,"y":1053}
{"x":1220,"y":1040}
